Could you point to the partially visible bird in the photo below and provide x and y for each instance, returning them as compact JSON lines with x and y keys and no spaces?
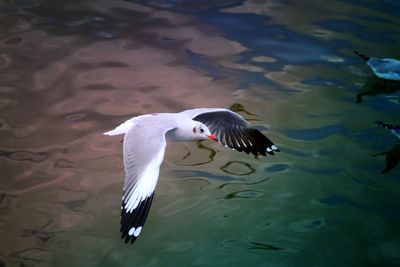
{"x":374,"y":85}
{"x":393,"y":128}
{"x":392,"y":158}
{"x":144,"y":146}
{"x":385,"y":68}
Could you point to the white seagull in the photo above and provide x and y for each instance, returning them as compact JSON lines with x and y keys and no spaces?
{"x":144,"y":146}
{"x":385,"y":68}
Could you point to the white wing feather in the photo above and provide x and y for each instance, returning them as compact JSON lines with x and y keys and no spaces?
{"x":122,"y":128}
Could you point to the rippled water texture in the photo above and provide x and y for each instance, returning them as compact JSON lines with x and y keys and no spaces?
{"x":70,"y":70}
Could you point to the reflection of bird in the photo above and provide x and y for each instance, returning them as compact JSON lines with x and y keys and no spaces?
{"x":393,"y":128}
{"x":237,"y":107}
{"x":385,"y":68}
{"x":392,"y":158}
{"x":374,"y":86}
{"x":144,"y":146}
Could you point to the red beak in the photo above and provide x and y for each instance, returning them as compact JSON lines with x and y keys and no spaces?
{"x":212,"y":137}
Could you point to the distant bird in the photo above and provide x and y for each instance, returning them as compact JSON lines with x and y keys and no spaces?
{"x":393,"y":128}
{"x":385,"y":68}
{"x":144,"y":146}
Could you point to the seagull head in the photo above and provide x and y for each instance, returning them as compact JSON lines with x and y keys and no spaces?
{"x":201,"y":132}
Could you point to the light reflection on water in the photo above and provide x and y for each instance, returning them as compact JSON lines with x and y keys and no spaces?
{"x":69,"y":70}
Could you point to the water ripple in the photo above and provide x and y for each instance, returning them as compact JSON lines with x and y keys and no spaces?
{"x":64,"y":163}
{"x":32,"y":256}
{"x":104,"y":34}
{"x":25,"y":3}
{"x":5,"y":204}
{"x":5,"y":61}
{"x":24,"y":155}
{"x":244,"y":183}
{"x":7,"y":103}
{"x":75,"y":116}
{"x":246,"y":193}
{"x":320,"y":171}
{"x":308,"y":225}
{"x":249,"y":244}
{"x":341,"y":200}
{"x":188,"y":155}
{"x":353,"y":28}
{"x":277,"y":168}
{"x":317,"y":133}
{"x":238,"y":168}
{"x":198,"y":173}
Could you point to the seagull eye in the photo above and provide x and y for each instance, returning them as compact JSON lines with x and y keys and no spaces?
{"x":201,"y":130}
{"x":194,"y":129}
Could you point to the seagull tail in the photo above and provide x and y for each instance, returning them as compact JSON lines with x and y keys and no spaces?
{"x":366,"y":58}
{"x":121,"y":129}
{"x":112,"y":132}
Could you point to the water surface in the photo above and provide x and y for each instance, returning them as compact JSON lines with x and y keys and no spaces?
{"x":70,"y":70}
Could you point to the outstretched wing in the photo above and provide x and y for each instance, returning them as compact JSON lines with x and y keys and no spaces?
{"x":143,"y":151}
{"x":385,"y":68}
{"x":395,"y":129}
{"x":233,"y":130}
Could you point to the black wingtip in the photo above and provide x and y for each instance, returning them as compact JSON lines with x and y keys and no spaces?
{"x":366,"y":58}
{"x":272,"y":149}
{"x":132,"y":221}
{"x":261,"y":144}
{"x":387,"y":125}
{"x":384,"y":125}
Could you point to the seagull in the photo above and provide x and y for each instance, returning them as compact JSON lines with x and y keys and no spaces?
{"x":385,"y":68}
{"x":393,"y":128}
{"x":144,"y":145}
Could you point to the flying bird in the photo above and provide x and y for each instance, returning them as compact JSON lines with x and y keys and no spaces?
{"x":144,"y":147}
{"x":393,"y":128}
{"x":385,"y":68}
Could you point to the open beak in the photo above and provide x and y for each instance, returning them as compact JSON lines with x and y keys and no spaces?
{"x":212,"y":137}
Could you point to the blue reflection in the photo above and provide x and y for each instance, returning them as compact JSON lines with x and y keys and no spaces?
{"x":201,"y":62}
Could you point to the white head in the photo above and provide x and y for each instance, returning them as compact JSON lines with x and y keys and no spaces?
{"x":201,"y":132}
{"x":191,"y":130}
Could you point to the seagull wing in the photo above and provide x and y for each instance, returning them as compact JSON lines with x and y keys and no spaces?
{"x":395,"y":129}
{"x":233,"y":130}
{"x":385,"y":68}
{"x":143,"y":152}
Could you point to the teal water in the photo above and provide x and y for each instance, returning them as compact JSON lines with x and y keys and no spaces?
{"x":70,"y":70}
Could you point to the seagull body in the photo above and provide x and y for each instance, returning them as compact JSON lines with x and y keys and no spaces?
{"x":144,"y":147}
{"x":385,"y":68}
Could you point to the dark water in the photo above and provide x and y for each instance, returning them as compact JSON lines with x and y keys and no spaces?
{"x":70,"y":70}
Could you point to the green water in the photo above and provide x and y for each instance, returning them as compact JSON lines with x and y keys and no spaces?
{"x":71,"y":70}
